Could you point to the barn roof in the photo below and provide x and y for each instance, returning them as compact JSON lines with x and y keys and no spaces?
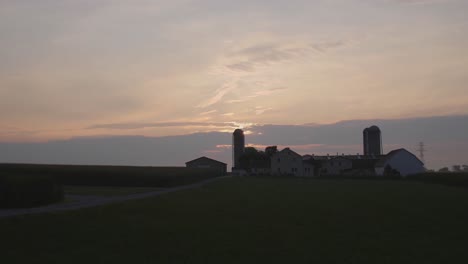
{"x":391,"y":154}
{"x":206,"y":159}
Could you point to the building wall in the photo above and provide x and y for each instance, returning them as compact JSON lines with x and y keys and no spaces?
{"x":308,"y":169}
{"x":336,"y":166}
{"x":207,"y":164}
{"x":288,"y":162}
{"x":403,"y":161}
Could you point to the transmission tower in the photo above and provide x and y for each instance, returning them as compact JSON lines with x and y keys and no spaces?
{"x":421,"y":150}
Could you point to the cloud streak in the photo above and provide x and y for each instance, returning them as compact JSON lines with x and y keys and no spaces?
{"x":130,"y":126}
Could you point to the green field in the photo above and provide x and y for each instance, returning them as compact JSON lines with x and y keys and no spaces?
{"x":241,"y":220}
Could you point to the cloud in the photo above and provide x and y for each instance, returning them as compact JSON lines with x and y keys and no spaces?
{"x":129,"y":126}
{"x":242,"y":66}
{"x":446,"y":138}
{"x":260,"y":110}
{"x":323,"y":47}
{"x":209,"y":112}
{"x":418,"y":1}
{"x":249,"y":59}
{"x":258,"y":93}
{"x":219,"y":94}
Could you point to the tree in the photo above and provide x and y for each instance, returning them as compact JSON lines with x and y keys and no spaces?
{"x":253,"y":158}
{"x":444,"y":169}
{"x":465,"y":167}
{"x":271,"y":150}
{"x":456,"y":168}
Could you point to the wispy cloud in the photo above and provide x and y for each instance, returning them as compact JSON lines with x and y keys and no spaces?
{"x":208,"y":112}
{"x":218,"y":95}
{"x":260,"y":110}
{"x":418,"y":1}
{"x":163,"y":124}
{"x":303,"y":147}
{"x":258,"y":93}
{"x":249,"y":59}
{"x":323,"y":47}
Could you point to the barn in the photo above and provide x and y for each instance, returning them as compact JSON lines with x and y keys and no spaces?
{"x":400,"y":161}
{"x":207,"y":163}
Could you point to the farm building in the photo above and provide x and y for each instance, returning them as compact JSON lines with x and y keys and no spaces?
{"x":207,"y":163}
{"x":399,"y":161}
{"x":288,"y":162}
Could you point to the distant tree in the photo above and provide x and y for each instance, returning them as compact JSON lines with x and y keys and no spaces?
{"x":250,"y":151}
{"x":465,"y":167}
{"x":444,"y":169}
{"x":271,"y":150}
{"x":456,"y":168}
{"x":252,"y":158}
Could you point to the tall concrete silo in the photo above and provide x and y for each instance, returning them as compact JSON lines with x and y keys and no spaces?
{"x":372,"y":141}
{"x":238,"y":145}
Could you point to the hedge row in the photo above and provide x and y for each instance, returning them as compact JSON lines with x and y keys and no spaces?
{"x":21,"y":191}
{"x":113,"y":175}
{"x":451,"y":178}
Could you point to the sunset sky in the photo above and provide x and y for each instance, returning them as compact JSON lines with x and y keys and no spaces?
{"x":161,"y":68}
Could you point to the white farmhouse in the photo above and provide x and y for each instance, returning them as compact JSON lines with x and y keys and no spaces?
{"x":336,"y":165}
{"x":400,"y":160}
{"x":288,"y":162}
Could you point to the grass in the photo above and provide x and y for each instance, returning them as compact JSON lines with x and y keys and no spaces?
{"x":243,"y":220}
{"x":106,"y":191}
{"x":24,"y":191}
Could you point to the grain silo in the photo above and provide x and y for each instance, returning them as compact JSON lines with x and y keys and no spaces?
{"x":238,"y":145}
{"x":372,"y":141}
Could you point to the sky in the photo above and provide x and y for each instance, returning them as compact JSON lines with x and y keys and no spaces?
{"x":158,"y":69}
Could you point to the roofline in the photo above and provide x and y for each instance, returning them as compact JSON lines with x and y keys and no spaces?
{"x":204,"y":157}
{"x":391,"y":153}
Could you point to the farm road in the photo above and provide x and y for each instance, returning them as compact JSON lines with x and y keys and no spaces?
{"x":86,"y":201}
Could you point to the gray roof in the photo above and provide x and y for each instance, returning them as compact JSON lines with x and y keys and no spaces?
{"x":391,"y":154}
{"x":207,"y":159}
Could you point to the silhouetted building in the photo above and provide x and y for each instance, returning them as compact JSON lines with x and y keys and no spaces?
{"x":399,"y":162}
{"x":288,"y":162}
{"x":238,"y":146}
{"x":207,"y":163}
{"x":372,"y":141}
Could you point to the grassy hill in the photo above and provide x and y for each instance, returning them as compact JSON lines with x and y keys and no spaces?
{"x":241,"y":220}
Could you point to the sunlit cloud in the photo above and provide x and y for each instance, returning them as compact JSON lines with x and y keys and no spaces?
{"x":301,"y":148}
{"x":260,"y":110}
{"x":209,"y":112}
{"x":166,"y":124}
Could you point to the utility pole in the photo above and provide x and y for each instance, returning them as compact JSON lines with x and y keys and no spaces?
{"x":421,"y":150}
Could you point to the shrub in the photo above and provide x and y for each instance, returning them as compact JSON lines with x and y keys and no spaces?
{"x":124,"y":176}
{"x":21,"y":191}
{"x":450,"y":178}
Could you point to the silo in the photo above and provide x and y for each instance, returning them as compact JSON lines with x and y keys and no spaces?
{"x":372,"y":141}
{"x":238,"y":145}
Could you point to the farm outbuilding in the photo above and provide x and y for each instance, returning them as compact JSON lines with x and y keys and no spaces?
{"x":207,"y":163}
{"x":399,"y":161}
